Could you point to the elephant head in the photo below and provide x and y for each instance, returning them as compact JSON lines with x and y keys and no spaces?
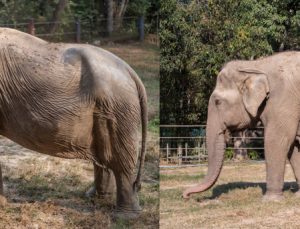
{"x":235,"y":103}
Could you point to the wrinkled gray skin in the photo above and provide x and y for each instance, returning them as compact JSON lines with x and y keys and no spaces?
{"x":266,"y":89}
{"x":74,"y":101}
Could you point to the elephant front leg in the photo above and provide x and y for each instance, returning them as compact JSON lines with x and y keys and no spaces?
{"x":127,"y":197}
{"x":104,"y":183}
{"x":278,"y":141}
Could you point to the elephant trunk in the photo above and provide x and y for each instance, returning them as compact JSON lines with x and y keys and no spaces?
{"x":216,"y":146}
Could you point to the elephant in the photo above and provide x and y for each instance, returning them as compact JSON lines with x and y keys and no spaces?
{"x":265,"y":90}
{"x":75,"y":101}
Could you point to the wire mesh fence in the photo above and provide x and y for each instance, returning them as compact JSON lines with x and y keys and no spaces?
{"x":75,"y":30}
{"x":186,"y":145}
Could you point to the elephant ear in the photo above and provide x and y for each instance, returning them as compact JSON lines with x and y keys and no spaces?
{"x":255,"y":89}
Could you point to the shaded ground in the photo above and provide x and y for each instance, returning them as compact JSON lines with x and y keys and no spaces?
{"x":48,"y":192}
{"x":235,"y":201}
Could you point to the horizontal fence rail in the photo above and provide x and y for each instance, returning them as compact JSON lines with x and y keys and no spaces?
{"x":77,"y":30}
{"x":182,"y":145}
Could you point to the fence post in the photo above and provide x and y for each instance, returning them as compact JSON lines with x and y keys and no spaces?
{"x":186,"y":151}
{"x":31,"y":28}
{"x":141,"y":28}
{"x":167,"y":153}
{"x":199,"y":150}
{"x":78,"y":30}
{"x":179,"y":153}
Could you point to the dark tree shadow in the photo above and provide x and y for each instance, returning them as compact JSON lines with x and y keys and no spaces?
{"x":226,"y":188}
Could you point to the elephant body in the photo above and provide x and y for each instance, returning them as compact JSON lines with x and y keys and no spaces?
{"x":246,"y":92}
{"x":73,"y":101}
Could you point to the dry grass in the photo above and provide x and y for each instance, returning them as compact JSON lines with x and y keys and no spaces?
{"x":48,"y":192}
{"x":235,"y":201}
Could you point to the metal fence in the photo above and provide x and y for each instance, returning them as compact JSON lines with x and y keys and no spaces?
{"x":186,"y":144}
{"x":75,"y":30}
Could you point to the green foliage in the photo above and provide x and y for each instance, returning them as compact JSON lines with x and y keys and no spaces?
{"x":229,"y":153}
{"x":253,"y":155}
{"x":153,"y":125}
{"x":12,"y":11}
{"x":91,"y":13}
{"x":85,"y":9}
{"x":138,"y":7}
{"x":198,"y":37}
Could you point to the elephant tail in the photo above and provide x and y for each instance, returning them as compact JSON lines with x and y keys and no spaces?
{"x":144,"y":120}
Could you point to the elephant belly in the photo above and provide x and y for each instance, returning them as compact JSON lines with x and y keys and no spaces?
{"x":63,"y":135}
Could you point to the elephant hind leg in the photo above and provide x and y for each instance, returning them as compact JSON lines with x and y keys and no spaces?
{"x":294,"y":158}
{"x":123,"y":165}
{"x":104,"y":183}
{"x":127,"y":198}
{"x":2,"y":198}
{"x":115,"y":137}
{"x":1,"y":182}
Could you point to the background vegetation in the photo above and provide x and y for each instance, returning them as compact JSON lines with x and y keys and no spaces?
{"x":98,"y":17}
{"x":198,"y":36}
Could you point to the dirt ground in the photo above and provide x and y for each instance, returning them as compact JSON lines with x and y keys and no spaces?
{"x":235,"y":201}
{"x":48,"y":192}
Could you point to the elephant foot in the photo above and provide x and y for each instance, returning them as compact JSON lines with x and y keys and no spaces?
{"x":126,"y":214}
{"x":3,"y":201}
{"x":273,"y":197}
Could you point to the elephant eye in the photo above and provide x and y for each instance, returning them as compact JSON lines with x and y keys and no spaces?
{"x":218,"y":102}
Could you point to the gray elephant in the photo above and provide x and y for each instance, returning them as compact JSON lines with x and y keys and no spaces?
{"x":246,"y":92}
{"x":75,"y":101}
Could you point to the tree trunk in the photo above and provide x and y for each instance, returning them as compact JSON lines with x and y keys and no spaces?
{"x":57,"y":15}
{"x":110,"y":17}
{"x":120,"y":10}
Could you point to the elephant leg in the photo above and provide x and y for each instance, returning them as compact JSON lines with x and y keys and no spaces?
{"x":2,"y":198}
{"x":1,"y":182}
{"x":278,"y":141}
{"x":104,"y":183}
{"x":294,"y":158}
{"x":127,"y":198}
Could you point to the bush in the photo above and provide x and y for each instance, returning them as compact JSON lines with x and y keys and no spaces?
{"x":229,"y":153}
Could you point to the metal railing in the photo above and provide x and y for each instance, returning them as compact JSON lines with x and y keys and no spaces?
{"x":188,"y":149}
{"x":81,"y":30}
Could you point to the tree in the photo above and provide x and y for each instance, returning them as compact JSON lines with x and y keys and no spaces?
{"x":197,"y":38}
{"x":290,"y":11}
{"x":119,"y":12}
{"x":57,"y":13}
{"x":110,"y":16}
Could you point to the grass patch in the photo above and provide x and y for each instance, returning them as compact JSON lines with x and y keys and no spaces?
{"x":40,"y":188}
{"x":181,"y":177}
{"x":235,"y":200}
